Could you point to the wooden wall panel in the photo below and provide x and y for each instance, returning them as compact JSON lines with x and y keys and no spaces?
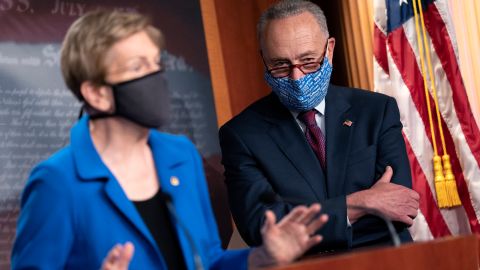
{"x":235,"y":64}
{"x":357,"y":31}
{"x":216,"y":61}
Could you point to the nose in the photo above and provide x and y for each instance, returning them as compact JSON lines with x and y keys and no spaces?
{"x":296,"y":73}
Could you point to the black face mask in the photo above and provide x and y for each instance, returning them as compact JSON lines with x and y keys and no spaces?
{"x":144,"y":100}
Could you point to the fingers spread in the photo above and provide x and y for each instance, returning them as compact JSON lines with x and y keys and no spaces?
{"x":310,"y":214}
{"x":270,"y":220}
{"x":314,"y":240}
{"x":316,"y":224}
{"x":295,"y":215}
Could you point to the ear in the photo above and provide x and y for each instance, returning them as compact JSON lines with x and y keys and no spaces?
{"x":99,"y":97}
{"x":330,"y":48}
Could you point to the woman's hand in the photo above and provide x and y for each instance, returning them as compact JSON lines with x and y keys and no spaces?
{"x":288,"y":239}
{"x":119,"y":257}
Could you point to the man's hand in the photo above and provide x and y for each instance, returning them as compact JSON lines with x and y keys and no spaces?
{"x":119,"y":257}
{"x":395,"y":202}
{"x":288,"y":239}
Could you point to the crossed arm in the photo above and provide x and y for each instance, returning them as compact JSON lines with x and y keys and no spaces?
{"x":250,"y":174}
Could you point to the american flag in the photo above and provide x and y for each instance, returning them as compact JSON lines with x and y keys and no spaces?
{"x":398,"y":73}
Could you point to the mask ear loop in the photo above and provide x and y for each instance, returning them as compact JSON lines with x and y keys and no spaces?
{"x":93,"y":113}
{"x":93,"y":116}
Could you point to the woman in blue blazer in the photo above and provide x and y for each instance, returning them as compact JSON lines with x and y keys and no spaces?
{"x":107,"y":186}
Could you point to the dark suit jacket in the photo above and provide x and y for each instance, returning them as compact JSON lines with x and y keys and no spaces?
{"x":265,"y":152}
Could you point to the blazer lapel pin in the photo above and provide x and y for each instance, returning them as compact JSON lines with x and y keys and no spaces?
{"x":347,"y":123}
{"x":174,"y":181}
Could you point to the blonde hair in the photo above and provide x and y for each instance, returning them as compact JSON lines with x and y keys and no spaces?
{"x":90,"y":37}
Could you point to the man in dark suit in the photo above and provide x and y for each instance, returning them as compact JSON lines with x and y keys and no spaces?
{"x":310,"y":141}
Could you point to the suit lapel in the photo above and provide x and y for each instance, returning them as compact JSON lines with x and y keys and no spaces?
{"x":168,"y":161}
{"x":117,"y":196}
{"x":90,"y":167}
{"x":288,"y":136}
{"x":338,"y":138}
{"x":173,"y":160}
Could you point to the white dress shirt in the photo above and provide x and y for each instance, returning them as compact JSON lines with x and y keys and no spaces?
{"x":319,"y":117}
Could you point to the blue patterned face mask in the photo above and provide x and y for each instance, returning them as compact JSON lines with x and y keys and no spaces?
{"x":305,"y":93}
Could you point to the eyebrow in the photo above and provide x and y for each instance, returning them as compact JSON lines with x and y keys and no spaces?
{"x":136,"y":57}
{"x":279,"y":60}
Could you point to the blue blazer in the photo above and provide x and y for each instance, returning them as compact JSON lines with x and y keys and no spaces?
{"x":73,"y":210}
{"x":264,"y":151}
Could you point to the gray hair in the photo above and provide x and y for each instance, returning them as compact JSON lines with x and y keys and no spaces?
{"x":287,"y":8}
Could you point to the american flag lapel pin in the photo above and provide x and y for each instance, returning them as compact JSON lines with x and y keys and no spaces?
{"x":347,"y":123}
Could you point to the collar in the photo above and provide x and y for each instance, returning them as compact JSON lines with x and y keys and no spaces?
{"x":88,"y":162}
{"x":320,"y":109}
{"x":90,"y":166}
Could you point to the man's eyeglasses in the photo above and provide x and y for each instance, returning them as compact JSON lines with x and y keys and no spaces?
{"x":285,"y":70}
